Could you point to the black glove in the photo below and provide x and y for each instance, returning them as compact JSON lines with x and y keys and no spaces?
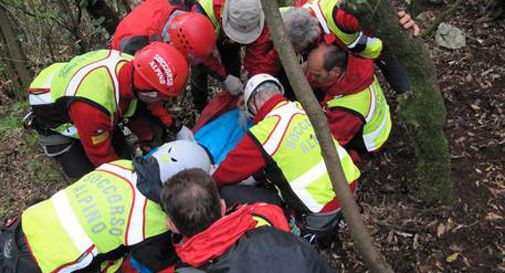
{"x":148,"y":178}
{"x":170,"y":133}
{"x":176,"y":125}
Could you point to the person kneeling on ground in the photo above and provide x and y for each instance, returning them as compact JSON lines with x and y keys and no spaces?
{"x":283,"y":146}
{"x":78,"y":107}
{"x":250,"y":238}
{"x":93,"y":224}
{"x":357,"y":111}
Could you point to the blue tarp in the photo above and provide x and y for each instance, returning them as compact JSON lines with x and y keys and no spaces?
{"x":222,"y":134}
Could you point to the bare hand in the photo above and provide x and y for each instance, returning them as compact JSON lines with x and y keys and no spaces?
{"x":408,"y":23}
{"x":304,"y":67}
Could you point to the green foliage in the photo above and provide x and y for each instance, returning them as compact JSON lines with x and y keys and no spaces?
{"x":97,"y":26}
{"x":42,"y":169}
{"x":14,"y":119}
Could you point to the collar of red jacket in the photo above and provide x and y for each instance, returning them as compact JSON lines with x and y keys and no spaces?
{"x":217,"y":239}
{"x":267,"y":107}
{"x":125,"y":78}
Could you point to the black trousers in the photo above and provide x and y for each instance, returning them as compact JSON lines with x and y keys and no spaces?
{"x":73,"y":159}
{"x":314,"y":226}
{"x":231,"y":60}
{"x":14,"y":254}
{"x":394,"y":71}
{"x":242,"y":194}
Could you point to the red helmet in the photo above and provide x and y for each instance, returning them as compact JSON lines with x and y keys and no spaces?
{"x":193,"y":34}
{"x":161,"y":67}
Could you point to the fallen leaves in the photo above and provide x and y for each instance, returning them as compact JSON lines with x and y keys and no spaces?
{"x":440,"y":230}
{"x":452,"y":257}
{"x":491,"y":216}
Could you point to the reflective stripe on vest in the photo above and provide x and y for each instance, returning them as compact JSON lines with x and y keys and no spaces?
{"x":39,"y":90}
{"x":288,"y":138}
{"x":110,"y":62}
{"x":135,"y":227}
{"x":74,"y":230}
{"x":99,"y":213}
{"x":68,"y":82}
{"x":357,"y":42}
{"x":376,"y":114}
{"x":208,"y":7}
{"x":274,"y":141}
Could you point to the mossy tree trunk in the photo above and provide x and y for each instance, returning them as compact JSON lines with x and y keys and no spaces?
{"x":304,"y":94}
{"x":422,"y":110}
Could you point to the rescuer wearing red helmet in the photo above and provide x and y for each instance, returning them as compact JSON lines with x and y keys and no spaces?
{"x":78,"y":105}
{"x":190,"y":32}
{"x":154,"y":20}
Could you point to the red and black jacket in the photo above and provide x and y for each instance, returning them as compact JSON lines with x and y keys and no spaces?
{"x":235,"y":244}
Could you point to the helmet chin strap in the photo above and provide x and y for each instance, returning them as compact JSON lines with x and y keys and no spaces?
{"x":252,"y":103}
{"x":148,"y":96}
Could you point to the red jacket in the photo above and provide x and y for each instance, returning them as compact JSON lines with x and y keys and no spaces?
{"x":261,"y":56}
{"x":224,"y":233}
{"x":359,"y":74}
{"x":247,"y":158}
{"x":95,"y":127}
{"x":145,"y":24}
{"x":146,"y":20}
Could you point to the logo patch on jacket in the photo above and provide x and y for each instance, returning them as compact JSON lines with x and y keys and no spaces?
{"x":103,"y":135}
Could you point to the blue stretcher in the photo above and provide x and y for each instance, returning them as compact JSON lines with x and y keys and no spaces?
{"x":221,"y":135}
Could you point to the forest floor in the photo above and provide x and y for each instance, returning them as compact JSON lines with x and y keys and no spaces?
{"x":467,"y":236}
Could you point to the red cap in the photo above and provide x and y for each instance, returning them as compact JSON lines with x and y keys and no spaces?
{"x":193,"y":34}
{"x":161,"y":67}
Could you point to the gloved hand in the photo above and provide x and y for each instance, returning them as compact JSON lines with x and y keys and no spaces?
{"x":170,"y":132}
{"x":176,"y":125}
{"x":234,"y":85}
{"x":176,"y":114}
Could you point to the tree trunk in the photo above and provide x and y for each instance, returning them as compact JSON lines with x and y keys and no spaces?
{"x":14,"y":57}
{"x":422,"y":110}
{"x":10,"y":82}
{"x":75,"y":25}
{"x":304,"y":94}
{"x":99,"y":9}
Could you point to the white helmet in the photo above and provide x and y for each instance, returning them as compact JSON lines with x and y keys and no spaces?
{"x":179,"y":155}
{"x":254,"y":82}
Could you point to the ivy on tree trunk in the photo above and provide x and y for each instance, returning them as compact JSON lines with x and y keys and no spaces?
{"x":422,"y":109}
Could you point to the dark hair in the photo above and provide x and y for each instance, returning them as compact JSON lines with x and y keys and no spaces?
{"x":334,"y":57}
{"x":191,"y":200}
